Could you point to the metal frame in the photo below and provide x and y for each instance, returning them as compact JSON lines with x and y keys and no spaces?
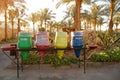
{"x":35,"y":49}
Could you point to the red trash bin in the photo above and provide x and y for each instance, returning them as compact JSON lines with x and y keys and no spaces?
{"x":42,"y":43}
{"x":42,"y":50}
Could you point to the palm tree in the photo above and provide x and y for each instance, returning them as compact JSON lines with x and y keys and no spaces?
{"x":40,"y":18}
{"x":70,"y":13}
{"x":47,"y":15}
{"x":20,"y":11}
{"x":116,"y":19}
{"x":0,"y":22}
{"x":50,"y":24}
{"x":24,"y":23}
{"x":77,"y":17}
{"x":86,"y":19}
{"x":4,"y":4}
{"x":91,"y":17}
{"x":34,"y":18}
{"x":96,"y":12}
{"x":114,"y":6}
{"x":100,"y":22}
{"x":12,"y":16}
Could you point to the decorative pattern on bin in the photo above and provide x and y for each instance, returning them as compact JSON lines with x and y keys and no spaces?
{"x":42,"y":38}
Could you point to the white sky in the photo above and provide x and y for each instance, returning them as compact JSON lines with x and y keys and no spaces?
{"x":35,"y":5}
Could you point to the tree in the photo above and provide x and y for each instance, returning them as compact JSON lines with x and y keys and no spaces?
{"x":86,"y":19}
{"x":70,"y":12}
{"x":34,"y":18}
{"x":116,"y":19}
{"x":12,"y":16}
{"x":113,"y":6}
{"x":20,"y":11}
{"x":100,"y":22}
{"x":40,"y":18}
{"x":24,"y":23}
{"x":69,"y":17}
{"x":96,"y":12}
{"x":77,"y":17}
{"x":47,"y":15}
{"x":92,"y":15}
{"x":4,"y":4}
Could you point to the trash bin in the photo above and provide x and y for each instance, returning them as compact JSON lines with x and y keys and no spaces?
{"x":60,"y":42}
{"x":77,"y":42}
{"x":24,"y":42}
{"x":42,"y":42}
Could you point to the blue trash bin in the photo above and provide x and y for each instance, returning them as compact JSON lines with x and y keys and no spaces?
{"x":77,"y":42}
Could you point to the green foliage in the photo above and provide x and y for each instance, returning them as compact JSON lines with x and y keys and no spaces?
{"x":100,"y":57}
{"x":34,"y":58}
{"x":107,"y":41}
{"x":107,"y":56}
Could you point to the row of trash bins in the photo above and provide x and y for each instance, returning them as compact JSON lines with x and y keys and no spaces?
{"x":42,"y":42}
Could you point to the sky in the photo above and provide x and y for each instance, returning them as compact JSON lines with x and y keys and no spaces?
{"x":35,"y":5}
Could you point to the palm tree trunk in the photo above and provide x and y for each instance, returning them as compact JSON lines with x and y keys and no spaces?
{"x":34,"y":30}
{"x":77,"y":23}
{"x":116,"y":26}
{"x":100,"y":27}
{"x":12,"y":29}
{"x":19,"y":25}
{"x":45,"y":25}
{"x":41,"y":23}
{"x":6,"y":25}
{"x":95,"y":24}
{"x":110,"y":30}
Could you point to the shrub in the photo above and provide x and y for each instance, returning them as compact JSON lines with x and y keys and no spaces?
{"x":89,"y":36}
{"x":107,"y":56}
{"x":107,"y":41}
{"x":34,"y":58}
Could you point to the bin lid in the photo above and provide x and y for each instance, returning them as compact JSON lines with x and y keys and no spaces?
{"x":42,"y":38}
{"x":61,"y":33}
{"x":77,"y":33}
{"x":24,"y":34}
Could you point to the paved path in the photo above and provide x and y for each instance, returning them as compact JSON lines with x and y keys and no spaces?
{"x":96,"y":71}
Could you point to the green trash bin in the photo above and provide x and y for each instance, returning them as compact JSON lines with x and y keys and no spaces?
{"x":24,"y":42}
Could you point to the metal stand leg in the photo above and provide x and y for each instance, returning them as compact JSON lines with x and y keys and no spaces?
{"x":17,"y":64}
{"x":9,"y":57}
{"x":84,"y":61}
{"x":22,"y":64}
{"x":39,"y":63}
{"x":79,"y":63}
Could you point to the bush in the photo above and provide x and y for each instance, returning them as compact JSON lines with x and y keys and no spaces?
{"x":107,"y":41}
{"x":34,"y":58}
{"x":90,"y":37}
{"x":107,"y":56}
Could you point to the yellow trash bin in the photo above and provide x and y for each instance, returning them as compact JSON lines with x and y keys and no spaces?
{"x":60,"y":42}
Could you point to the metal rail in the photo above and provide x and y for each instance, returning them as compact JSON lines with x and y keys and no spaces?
{"x":40,"y":49}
